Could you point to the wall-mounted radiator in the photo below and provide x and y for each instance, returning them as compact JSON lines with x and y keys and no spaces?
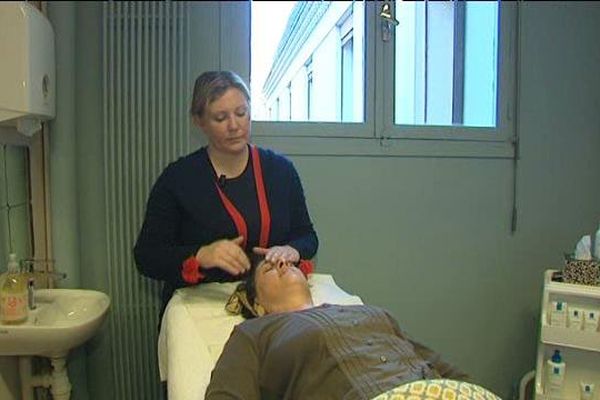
{"x":146,"y":125}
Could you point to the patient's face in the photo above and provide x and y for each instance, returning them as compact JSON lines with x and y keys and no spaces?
{"x":277,"y":280}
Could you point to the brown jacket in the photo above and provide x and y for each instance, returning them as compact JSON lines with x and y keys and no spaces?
{"x":326,"y":352}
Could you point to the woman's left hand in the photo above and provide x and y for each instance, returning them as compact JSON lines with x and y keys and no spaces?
{"x":276,"y":253}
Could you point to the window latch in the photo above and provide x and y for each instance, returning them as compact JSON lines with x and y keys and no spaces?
{"x":387,"y":20}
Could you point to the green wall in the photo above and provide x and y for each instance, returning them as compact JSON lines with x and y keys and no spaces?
{"x":427,"y":238}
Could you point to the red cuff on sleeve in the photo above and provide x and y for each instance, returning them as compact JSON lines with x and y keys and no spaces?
{"x":306,"y":266}
{"x":191,"y":271}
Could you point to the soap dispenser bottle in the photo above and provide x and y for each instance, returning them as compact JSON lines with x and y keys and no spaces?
{"x":13,"y":294}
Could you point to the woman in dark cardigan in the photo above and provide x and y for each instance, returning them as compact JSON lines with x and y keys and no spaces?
{"x":207,"y":209}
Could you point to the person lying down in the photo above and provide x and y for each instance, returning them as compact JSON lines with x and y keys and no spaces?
{"x":295,"y":350}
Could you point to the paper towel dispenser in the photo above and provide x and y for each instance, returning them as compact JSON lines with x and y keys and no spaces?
{"x":27,"y":69}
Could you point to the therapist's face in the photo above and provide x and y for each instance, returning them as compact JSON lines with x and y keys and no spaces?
{"x":226,"y":122}
{"x":276,"y":282}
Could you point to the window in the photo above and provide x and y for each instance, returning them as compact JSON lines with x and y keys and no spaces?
{"x":445,"y":63}
{"x":315,"y":46}
{"x":445,"y":71}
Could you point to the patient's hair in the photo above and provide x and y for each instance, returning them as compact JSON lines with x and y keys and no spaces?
{"x":250,"y":284}
{"x":242,"y":299}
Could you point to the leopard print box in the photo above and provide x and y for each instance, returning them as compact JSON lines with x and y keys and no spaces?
{"x":582,"y":272}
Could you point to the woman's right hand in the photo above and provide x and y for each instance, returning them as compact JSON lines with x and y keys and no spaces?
{"x":225,"y":254}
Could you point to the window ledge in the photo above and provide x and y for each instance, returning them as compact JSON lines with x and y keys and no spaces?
{"x":386,"y":147}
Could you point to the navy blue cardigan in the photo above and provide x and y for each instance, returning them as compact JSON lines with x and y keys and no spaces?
{"x":184,"y":212}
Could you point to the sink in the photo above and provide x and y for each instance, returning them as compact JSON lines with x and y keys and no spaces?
{"x":63,"y":319}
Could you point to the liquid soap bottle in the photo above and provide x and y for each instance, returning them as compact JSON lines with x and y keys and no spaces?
{"x":13,"y":294}
{"x":555,"y":375}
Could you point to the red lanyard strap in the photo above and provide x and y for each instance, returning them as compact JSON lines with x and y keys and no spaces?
{"x":265,"y":213}
{"x":238,"y":220}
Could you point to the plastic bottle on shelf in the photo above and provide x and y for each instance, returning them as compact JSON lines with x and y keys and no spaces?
{"x":558,"y":313}
{"x":13,"y":294}
{"x":591,"y":320}
{"x":575,"y":318}
{"x":586,"y":391}
{"x":555,"y":375}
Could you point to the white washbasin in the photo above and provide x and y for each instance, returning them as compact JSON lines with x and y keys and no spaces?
{"x":63,"y":319}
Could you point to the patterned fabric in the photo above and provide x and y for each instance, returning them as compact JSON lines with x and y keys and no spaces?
{"x":238,"y":302}
{"x":443,"y":389}
{"x":582,"y":272}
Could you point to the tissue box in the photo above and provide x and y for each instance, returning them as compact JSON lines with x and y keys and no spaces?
{"x":582,"y":272}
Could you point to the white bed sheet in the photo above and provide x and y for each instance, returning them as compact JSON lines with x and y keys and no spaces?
{"x":195,"y":327}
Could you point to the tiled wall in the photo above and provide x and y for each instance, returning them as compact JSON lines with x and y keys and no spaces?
{"x":15,"y":227}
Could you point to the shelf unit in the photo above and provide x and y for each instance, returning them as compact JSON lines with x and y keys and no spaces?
{"x":580,"y":349}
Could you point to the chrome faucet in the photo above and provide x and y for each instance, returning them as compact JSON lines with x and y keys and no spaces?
{"x":31,"y":293}
{"x":57,"y":276}
{"x":28,"y":264}
{"x":31,"y":261}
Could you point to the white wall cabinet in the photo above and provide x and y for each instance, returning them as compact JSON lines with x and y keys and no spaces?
{"x":579,"y":348}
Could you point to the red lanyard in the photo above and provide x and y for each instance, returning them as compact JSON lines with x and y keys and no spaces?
{"x":265,"y":213}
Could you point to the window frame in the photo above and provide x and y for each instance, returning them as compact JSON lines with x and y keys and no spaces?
{"x":346,"y":42}
{"x":318,"y":129}
{"x":506,"y":92}
{"x":377,"y":135}
{"x":309,"y":86}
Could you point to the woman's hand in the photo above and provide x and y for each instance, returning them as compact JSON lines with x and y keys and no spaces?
{"x":225,"y":254}
{"x":276,"y":253}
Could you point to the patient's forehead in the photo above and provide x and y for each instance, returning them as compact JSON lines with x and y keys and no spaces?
{"x":259,"y":268}
{"x":265,"y":263}
{"x":262,"y":263}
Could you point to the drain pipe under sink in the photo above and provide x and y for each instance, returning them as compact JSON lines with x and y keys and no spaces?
{"x":57,"y":381}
